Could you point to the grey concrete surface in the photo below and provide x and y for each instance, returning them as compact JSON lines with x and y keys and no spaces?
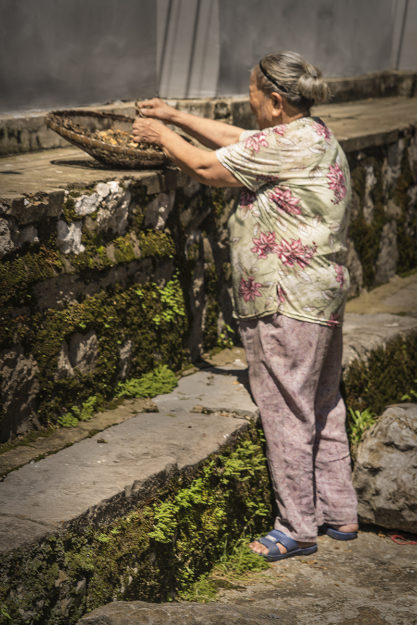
{"x":368,"y":581}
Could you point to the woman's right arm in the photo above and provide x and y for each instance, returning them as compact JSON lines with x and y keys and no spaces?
{"x":210,"y":132}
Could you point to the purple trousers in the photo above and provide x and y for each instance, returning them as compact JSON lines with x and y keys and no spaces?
{"x":294,"y":374}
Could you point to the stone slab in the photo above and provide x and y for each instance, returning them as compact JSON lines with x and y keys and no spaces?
{"x":372,"y":122}
{"x":219,"y":389}
{"x":397,"y":297}
{"x":357,"y":125}
{"x":118,"y":461}
{"x":53,"y":441}
{"x":16,"y":532}
{"x":54,"y":170}
{"x":363,"y":333}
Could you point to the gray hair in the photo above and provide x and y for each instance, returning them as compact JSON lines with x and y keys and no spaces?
{"x":289,"y":74}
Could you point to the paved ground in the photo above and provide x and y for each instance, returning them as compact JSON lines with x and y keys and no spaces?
{"x":369,"y":581}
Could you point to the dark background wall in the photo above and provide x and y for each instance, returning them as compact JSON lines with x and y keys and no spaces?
{"x":342,"y":37}
{"x":61,"y":53}
{"x":57,"y":53}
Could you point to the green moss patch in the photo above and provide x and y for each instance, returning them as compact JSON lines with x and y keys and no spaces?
{"x":388,"y":374}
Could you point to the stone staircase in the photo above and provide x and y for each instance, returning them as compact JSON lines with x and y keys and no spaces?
{"x":72,"y":503}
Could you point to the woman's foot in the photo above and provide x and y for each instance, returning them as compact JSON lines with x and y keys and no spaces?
{"x":346,"y":528}
{"x":276,"y":546}
{"x":258,"y":547}
{"x":342,"y":532}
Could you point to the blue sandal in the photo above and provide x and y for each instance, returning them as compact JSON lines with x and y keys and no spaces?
{"x":273,"y":538}
{"x":336,"y":534}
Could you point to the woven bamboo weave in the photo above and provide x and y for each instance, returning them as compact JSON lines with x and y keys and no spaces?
{"x":78,"y":126}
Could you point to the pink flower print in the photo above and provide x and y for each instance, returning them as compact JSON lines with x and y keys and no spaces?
{"x":285,"y":201}
{"x":322,"y":130}
{"x":265,"y":245}
{"x":249,"y":289}
{"x":291,"y":252}
{"x":254,"y":142}
{"x":279,"y":130}
{"x":340,"y":276}
{"x":336,"y":180}
{"x":281,"y":294}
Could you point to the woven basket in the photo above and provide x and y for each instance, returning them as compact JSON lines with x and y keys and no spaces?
{"x":77,"y":126}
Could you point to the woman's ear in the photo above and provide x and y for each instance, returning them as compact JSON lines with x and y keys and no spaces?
{"x":277,"y":103}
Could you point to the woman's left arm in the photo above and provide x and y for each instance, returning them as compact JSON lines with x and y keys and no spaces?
{"x":202,"y":165}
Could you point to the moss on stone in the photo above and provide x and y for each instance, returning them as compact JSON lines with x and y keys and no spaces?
{"x":156,"y":243}
{"x":115,"y":315}
{"x":365,"y":233}
{"x":17,"y":275}
{"x":212,"y":311}
{"x":389,"y":373}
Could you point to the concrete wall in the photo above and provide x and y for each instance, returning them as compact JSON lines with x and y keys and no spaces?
{"x":61,"y":53}
{"x":342,"y":38}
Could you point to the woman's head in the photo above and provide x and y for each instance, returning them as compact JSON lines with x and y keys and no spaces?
{"x":289,"y":74}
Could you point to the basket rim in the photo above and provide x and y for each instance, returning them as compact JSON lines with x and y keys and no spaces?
{"x":53,"y":121}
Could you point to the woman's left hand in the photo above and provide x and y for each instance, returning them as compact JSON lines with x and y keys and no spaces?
{"x":148,"y":130}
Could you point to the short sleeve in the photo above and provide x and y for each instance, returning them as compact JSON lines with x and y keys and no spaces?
{"x":254,"y":160}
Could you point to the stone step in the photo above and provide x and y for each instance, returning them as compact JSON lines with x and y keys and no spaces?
{"x":103,"y":478}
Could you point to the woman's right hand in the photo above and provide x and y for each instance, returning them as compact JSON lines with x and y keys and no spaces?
{"x":157,"y":109}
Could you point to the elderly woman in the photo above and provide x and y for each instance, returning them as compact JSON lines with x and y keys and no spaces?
{"x":287,"y":241}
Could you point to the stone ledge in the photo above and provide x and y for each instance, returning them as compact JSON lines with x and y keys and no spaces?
{"x":357,"y":126}
{"x":28,"y":132}
{"x":363,"y":333}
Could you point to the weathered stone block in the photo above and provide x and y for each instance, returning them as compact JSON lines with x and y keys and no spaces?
{"x":19,"y":388}
{"x":68,"y":237}
{"x":385,"y":475}
{"x":6,"y":243}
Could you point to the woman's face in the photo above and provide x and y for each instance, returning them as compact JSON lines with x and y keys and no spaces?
{"x":261,"y":104}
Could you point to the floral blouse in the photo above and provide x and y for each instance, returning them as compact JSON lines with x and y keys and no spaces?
{"x":288,"y":231}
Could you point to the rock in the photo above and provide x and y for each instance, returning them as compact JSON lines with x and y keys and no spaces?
{"x":125,"y":356}
{"x":113,"y":214}
{"x":19,"y":387}
{"x":28,"y":234}
{"x":368,"y":204}
{"x":386,"y":263}
{"x":355,"y":270}
{"x":157,"y":211}
{"x":63,"y":367}
{"x":83,"y":351}
{"x":69,"y":237}
{"x":87,"y":204}
{"x":6,"y":243}
{"x":137,"y":612}
{"x":385,"y":475}
{"x":111,"y":202}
